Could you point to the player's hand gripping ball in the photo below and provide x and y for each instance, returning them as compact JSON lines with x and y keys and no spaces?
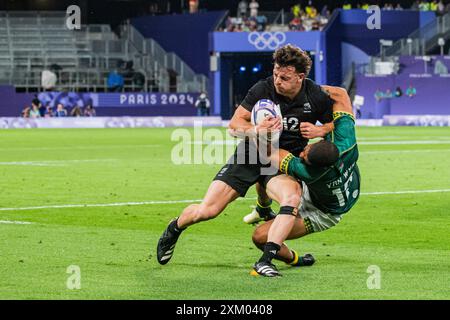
{"x":263,"y":109}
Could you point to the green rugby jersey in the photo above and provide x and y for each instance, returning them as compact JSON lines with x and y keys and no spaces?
{"x":333,"y":189}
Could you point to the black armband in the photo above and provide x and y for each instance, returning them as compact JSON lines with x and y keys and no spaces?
{"x":288,"y":210}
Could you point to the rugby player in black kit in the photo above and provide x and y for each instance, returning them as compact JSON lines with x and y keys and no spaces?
{"x":302,"y":104}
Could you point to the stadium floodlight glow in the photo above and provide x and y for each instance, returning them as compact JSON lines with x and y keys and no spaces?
{"x":256,"y":68}
{"x":242,"y":69}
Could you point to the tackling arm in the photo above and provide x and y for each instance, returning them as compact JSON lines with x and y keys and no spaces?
{"x":341,"y":104}
{"x":281,"y":155}
{"x":311,"y":131}
{"x":341,"y":98}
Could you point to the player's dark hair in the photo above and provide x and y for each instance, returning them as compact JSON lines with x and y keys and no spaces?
{"x":290,"y":55}
{"x":323,"y":154}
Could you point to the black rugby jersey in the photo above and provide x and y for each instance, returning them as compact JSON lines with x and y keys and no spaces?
{"x":311,"y":104}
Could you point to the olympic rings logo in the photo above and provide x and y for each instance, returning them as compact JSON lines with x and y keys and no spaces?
{"x":266,"y":40}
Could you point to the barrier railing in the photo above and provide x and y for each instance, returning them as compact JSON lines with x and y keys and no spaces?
{"x":34,"y":41}
{"x":418,"y":42}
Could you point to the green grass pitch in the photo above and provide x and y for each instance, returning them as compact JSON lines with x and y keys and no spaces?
{"x":405,"y":234}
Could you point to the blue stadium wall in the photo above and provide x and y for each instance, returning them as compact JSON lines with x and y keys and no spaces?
{"x":184,"y":34}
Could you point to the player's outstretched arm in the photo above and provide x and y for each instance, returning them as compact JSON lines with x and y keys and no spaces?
{"x":341,"y":98}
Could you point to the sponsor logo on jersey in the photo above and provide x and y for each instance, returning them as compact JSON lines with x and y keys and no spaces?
{"x":307,"y":108}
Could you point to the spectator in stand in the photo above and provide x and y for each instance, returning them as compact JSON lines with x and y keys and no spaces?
{"x":424,"y":6}
{"x":115,"y":81}
{"x":252,"y":24}
{"x":193,"y":6}
{"x":242,"y":9}
{"x":25,"y":112}
{"x":89,"y":111}
{"x":441,"y":8}
{"x":261,"y":23}
{"x":388,"y":6}
{"x":202,"y":104}
{"x":296,"y":24}
{"x":388,"y":94}
{"x":434,"y":6}
{"x":365,"y":6}
{"x":76,"y":112}
{"x":254,"y":5}
{"x":379,"y":95}
{"x":358,"y":111}
{"x":411,"y":91}
{"x":415,"y":5}
{"x":307,"y":21}
{"x":315,"y":26}
{"x":346,"y":5}
{"x":311,"y":11}
{"x":42,"y":109}
{"x":49,"y":112}
{"x":398,"y":7}
{"x":296,"y":9}
{"x":35,"y":104}
{"x":60,"y":111}
{"x":34,"y":112}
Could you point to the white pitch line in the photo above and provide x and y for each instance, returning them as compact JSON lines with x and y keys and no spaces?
{"x":392,"y":138}
{"x":379,"y":143}
{"x":118,"y":204}
{"x":14,"y":222}
{"x":405,"y":151}
{"x":404,"y":192}
{"x":121,"y":204}
{"x":374,"y":143}
{"x":82,"y":147}
{"x":51,"y":163}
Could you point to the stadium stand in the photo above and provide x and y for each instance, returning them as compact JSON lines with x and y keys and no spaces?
{"x":431,"y":39}
{"x":31,"y":42}
{"x":424,"y":40}
{"x":416,"y":63}
{"x":292,"y":19}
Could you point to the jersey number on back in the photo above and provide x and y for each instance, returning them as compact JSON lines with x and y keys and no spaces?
{"x":338,"y":192}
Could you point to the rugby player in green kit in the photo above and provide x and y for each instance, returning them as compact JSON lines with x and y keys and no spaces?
{"x":330,"y":183}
